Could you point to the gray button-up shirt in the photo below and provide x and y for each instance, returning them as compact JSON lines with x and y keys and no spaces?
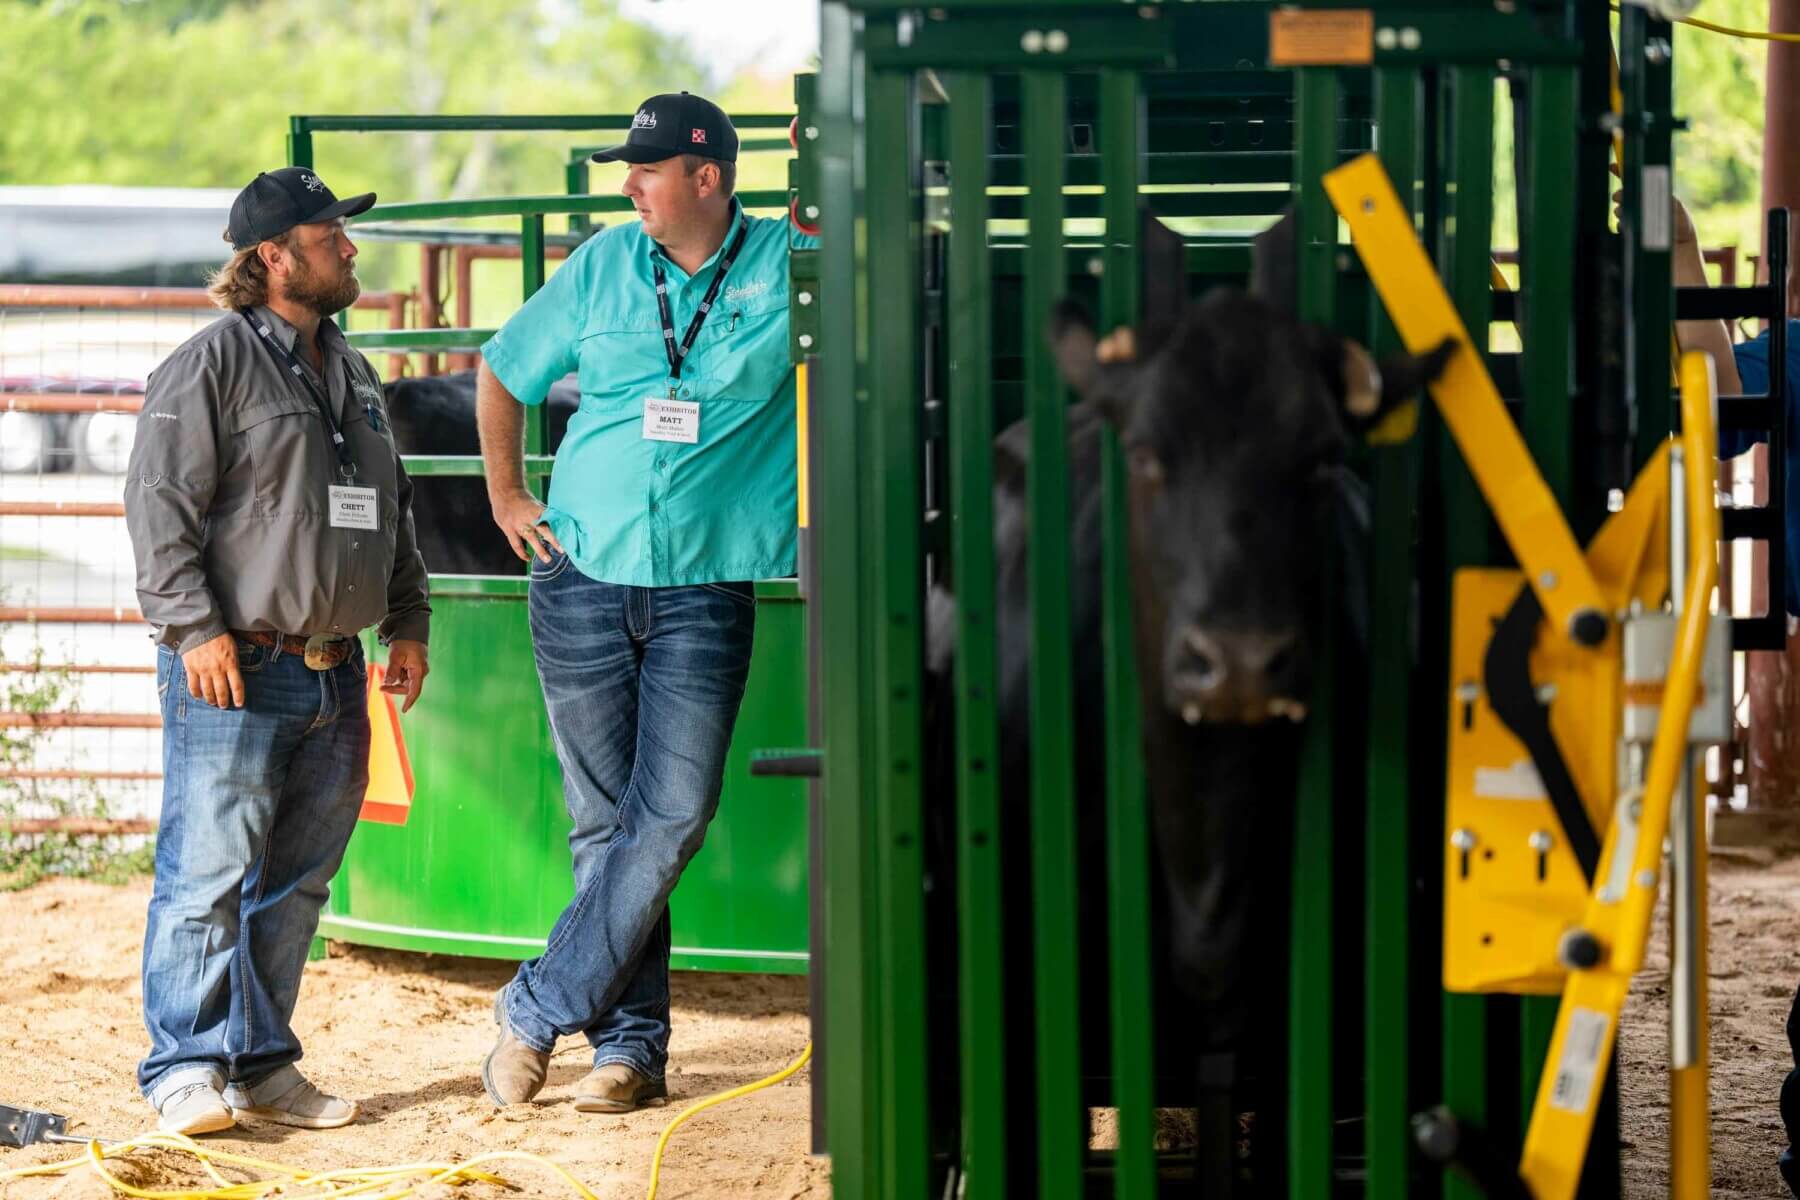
{"x":227,"y":495}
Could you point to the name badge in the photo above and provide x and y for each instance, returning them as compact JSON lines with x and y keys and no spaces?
{"x":354,"y":508}
{"x":671,"y":420}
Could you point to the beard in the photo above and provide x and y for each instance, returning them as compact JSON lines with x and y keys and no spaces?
{"x":326,"y":295}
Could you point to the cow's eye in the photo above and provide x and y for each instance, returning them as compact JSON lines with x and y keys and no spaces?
{"x":1145,"y":465}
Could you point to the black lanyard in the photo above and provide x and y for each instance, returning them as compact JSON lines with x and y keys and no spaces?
{"x":285,"y":357}
{"x":678,"y":354}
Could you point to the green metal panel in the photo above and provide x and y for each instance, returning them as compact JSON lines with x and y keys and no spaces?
{"x":1128,"y":835}
{"x":1388,"y":972}
{"x":481,"y":866}
{"x":1311,"y":1009}
{"x":982,"y":990}
{"x":897,"y":635}
{"x":1054,"y":877}
{"x":1464,"y":263}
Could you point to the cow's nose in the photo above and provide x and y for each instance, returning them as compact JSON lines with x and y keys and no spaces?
{"x":1235,"y":674}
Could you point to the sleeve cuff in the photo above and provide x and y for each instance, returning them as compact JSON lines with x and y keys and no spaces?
{"x":185,"y":637}
{"x":500,"y":362}
{"x":409,"y":627}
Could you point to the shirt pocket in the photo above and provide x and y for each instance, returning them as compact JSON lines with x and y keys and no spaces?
{"x":285,"y":441}
{"x":743,"y":351}
{"x":373,"y":453}
{"x":620,"y":358}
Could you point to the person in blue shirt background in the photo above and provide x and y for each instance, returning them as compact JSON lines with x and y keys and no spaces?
{"x":1743,"y":369}
{"x":672,"y":492}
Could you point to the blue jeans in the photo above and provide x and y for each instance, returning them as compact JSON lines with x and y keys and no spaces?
{"x":642,"y":687}
{"x":258,"y":804}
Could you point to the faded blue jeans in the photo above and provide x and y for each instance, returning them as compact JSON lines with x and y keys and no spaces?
{"x":642,"y":687}
{"x":258,"y":804}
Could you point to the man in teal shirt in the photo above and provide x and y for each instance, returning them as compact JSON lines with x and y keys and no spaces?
{"x":673,"y":492}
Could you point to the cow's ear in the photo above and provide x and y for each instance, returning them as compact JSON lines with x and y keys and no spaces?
{"x":1366,"y":391}
{"x":1162,"y":282}
{"x":1274,"y":265}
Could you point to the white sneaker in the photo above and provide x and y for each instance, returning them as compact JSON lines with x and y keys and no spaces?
{"x":287,"y":1098}
{"x":195,"y":1108}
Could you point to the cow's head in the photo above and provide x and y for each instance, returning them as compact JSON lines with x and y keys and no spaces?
{"x":1234,"y":418}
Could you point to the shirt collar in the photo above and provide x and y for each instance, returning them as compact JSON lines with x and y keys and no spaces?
{"x":738,"y":219}
{"x":330,"y":336}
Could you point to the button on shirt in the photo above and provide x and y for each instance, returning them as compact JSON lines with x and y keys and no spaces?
{"x":227,"y":495}
{"x":636,"y":511}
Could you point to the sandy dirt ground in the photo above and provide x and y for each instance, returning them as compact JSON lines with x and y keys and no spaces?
{"x":405,"y":1034}
{"x":1755,"y":964}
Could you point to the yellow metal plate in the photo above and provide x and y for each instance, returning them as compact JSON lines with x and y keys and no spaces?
{"x":1415,"y":299}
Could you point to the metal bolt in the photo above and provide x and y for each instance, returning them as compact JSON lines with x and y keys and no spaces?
{"x":1368,"y":204}
{"x":1409,"y":38}
{"x":1468,"y":692}
{"x":812,"y":212}
{"x":812,"y":133}
{"x":805,"y":298}
{"x":805,"y":340}
{"x":1095,"y":266}
{"x":1540,"y":842}
{"x":1657,"y":51}
{"x":1646,"y":878}
{"x":1615,"y":499}
{"x":1464,"y":839}
{"x":1386,"y":38}
{"x":1056,"y":41}
{"x":1032,"y":42}
{"x":1547,"y":581}
{"x":1546,"y":693}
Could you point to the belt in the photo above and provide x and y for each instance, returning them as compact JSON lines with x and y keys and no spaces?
{"x":320,"y":651}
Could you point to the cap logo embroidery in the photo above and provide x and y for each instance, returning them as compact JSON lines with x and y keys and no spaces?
{"x":312,"y":183}
{"x":645,"y":119}
{"x":699,"y":137}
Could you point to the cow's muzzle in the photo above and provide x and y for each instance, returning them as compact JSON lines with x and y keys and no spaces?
{"x":1236,"y":676}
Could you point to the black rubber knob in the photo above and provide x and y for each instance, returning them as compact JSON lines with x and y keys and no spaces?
{"x":1579,"y":950}
{"x":1588,"y":627}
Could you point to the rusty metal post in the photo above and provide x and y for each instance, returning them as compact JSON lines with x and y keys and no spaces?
{"x":1774,"y":676}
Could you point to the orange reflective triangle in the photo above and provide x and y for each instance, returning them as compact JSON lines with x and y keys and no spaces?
{"x":388,"y":799}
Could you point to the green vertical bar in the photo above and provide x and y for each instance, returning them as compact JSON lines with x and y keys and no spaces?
{"x":531,"y":266}
{"x":575,"y":182}
{"x":1387,"y":976}
{"x":898,"y":603}
{"x":1546,"y":285}
{"x":1310,"y":1059}
{"x":300,"y":146}
{"x":1546,"y":276}
{"x":1646,"y":80}
{"x":1469,"y":208}
{"x":855,"y":1093}
{"x":1128,"y":835}
{"x":1054,"y":878}
{"x":981,"y":975}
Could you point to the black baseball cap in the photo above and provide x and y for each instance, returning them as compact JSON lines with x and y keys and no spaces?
{"x":276,"y":201}
{"x":675,"y":123}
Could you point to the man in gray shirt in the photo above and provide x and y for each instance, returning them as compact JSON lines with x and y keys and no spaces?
{"x":271,"y":523}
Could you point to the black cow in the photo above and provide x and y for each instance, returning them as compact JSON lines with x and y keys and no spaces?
{"x":435,"y":414}
{"x":1234,"y":418}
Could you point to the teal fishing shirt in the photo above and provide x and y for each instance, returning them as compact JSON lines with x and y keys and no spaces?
{"x":632,"y":510}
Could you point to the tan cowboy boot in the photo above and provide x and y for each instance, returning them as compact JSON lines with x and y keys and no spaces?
{"x":617,"y":1088}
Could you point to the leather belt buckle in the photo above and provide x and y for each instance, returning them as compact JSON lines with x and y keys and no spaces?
{"x":324,"y":651}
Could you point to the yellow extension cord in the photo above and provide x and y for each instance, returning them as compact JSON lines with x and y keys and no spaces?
{"x":1728,"y":31}
{"x":366,"y":1183}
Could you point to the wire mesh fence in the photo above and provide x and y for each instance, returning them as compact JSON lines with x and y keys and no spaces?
{"x":80,"y":736}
